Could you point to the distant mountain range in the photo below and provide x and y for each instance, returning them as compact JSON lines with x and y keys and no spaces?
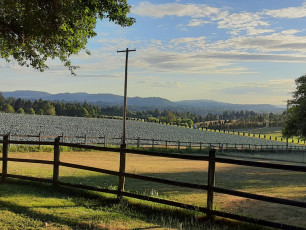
{"x":139,"y":103}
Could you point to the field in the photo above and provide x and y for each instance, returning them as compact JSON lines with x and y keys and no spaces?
{"x":90,"y":127}
{"x":273,"y":132}
{"x":27,"y":206}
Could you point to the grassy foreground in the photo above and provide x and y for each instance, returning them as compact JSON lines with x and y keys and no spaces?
{"x":25,"y":205}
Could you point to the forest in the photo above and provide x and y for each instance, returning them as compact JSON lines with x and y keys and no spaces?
{"x":225,"y":120}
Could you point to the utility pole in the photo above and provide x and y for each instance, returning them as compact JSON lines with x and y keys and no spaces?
{"x":287,"y":144}
{"x":123,"y":142}
{"x":287,"y":112}
{"x":125,"y":92}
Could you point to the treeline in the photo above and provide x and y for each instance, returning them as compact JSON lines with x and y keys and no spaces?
{"x":43,"y":107}
{"x":226,"y":120}
{"x":252,"y":120}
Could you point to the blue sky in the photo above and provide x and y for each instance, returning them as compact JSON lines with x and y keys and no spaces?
{"x":233,"y":51}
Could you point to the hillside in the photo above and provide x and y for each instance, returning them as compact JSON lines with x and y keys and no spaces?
{"x":139,"y":103}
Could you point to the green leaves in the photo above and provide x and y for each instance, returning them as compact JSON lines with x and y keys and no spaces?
{"x":295,"y":124}
{"x":32,"y":31}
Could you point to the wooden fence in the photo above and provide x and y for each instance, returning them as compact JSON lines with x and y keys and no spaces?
{"x":157,"y":143}
{"x":210,"y":187}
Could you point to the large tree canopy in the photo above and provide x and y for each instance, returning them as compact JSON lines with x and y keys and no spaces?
{"x":295,"y":124}
{"x":32,"y":31}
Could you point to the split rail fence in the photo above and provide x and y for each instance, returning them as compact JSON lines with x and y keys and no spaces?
{"x":156,"y":143}
{"x":209,"y":187}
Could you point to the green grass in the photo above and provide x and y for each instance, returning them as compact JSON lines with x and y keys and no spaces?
{"x":25,"y":205}
{"x":269,"y":133}
{"x":43,"y":148}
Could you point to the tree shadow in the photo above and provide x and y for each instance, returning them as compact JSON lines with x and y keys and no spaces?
{"x":270,"y":182}
{"x":241,"y":178}
{"x":156,"y":216}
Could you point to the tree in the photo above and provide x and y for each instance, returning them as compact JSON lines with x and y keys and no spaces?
{"x":7,"y":108}
{"x":2,"y":99}
{"x":32,"y":111}
{"x":40,"y":112}
{"x":170,"y":116}
{"x":20,"y":110}
{"x":49,"y":110}
{"x":32,"y":31}
{"x":295,"y":124}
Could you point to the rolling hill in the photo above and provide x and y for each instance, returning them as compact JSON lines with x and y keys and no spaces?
{"x":140,"y":103}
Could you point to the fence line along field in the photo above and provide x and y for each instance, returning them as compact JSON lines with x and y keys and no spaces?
{"x":22,"y":124}
{"x":270,"y":182}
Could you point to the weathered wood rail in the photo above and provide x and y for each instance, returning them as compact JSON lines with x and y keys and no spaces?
{"x":157,"y":143}
{"x":210,"y":187}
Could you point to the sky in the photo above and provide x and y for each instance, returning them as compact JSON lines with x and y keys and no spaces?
{"x":236,"y":51}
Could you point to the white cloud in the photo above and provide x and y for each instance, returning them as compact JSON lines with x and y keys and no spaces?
{"x":197,"y":22}
{"x":162,"y":84}
{"x":290,"y":12}
{"x":291,"y":32}
{"x":174,"y":9}
{"x":252,"y":23}
{"x":277,"y":42}
{"x":245,"y":21}
{"x":197,"y":55}
{"x":202,"y":14}
{"x":274,"y":87}
{"x":189,"y":42}
{"x":156,"y":42}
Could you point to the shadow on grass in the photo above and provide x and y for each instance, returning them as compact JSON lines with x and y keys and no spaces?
{"x":154,"y":215}
{"x":241,"y":178}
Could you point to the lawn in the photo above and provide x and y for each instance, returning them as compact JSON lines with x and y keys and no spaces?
{"x":269,"y":133}
{"x":26,"y":205}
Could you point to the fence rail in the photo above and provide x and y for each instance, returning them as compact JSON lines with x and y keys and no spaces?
{"x":154,"y":143}
{"x":210,"y":187}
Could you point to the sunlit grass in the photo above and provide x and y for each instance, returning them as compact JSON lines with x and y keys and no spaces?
{"x":44,"y":206}
{"x":262,"y":133}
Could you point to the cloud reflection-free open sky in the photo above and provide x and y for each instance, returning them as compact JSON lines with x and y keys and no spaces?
{"x":226,"y":50}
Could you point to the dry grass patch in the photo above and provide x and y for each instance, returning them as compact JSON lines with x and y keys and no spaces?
{"x":278,"y":183}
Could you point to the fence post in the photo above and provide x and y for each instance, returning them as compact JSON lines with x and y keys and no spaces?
{"x":121,"y":170}
{"x":211,"y":181}
{"x":138,"y":142}
{"x":4,"y":157}
{"x":39,"y":139}
{"x":56,"y":161}
{"x":166,"y":144}
{"x":152,"y":143}
{"x":9,"y":137}
{"x":178,"y":145}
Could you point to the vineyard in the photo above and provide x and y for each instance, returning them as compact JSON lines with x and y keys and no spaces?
{"x":22,"y":124}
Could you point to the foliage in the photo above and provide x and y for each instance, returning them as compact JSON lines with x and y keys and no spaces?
{"x":43,"y":148}
{"x":295,"y":124}
{"x":20,"y":110}
{"x":226,"y":120}
{"x":43,"y":107}
{"x":29,"y":205}
{"x":7,"y":108}
{"x":32,"y":31}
